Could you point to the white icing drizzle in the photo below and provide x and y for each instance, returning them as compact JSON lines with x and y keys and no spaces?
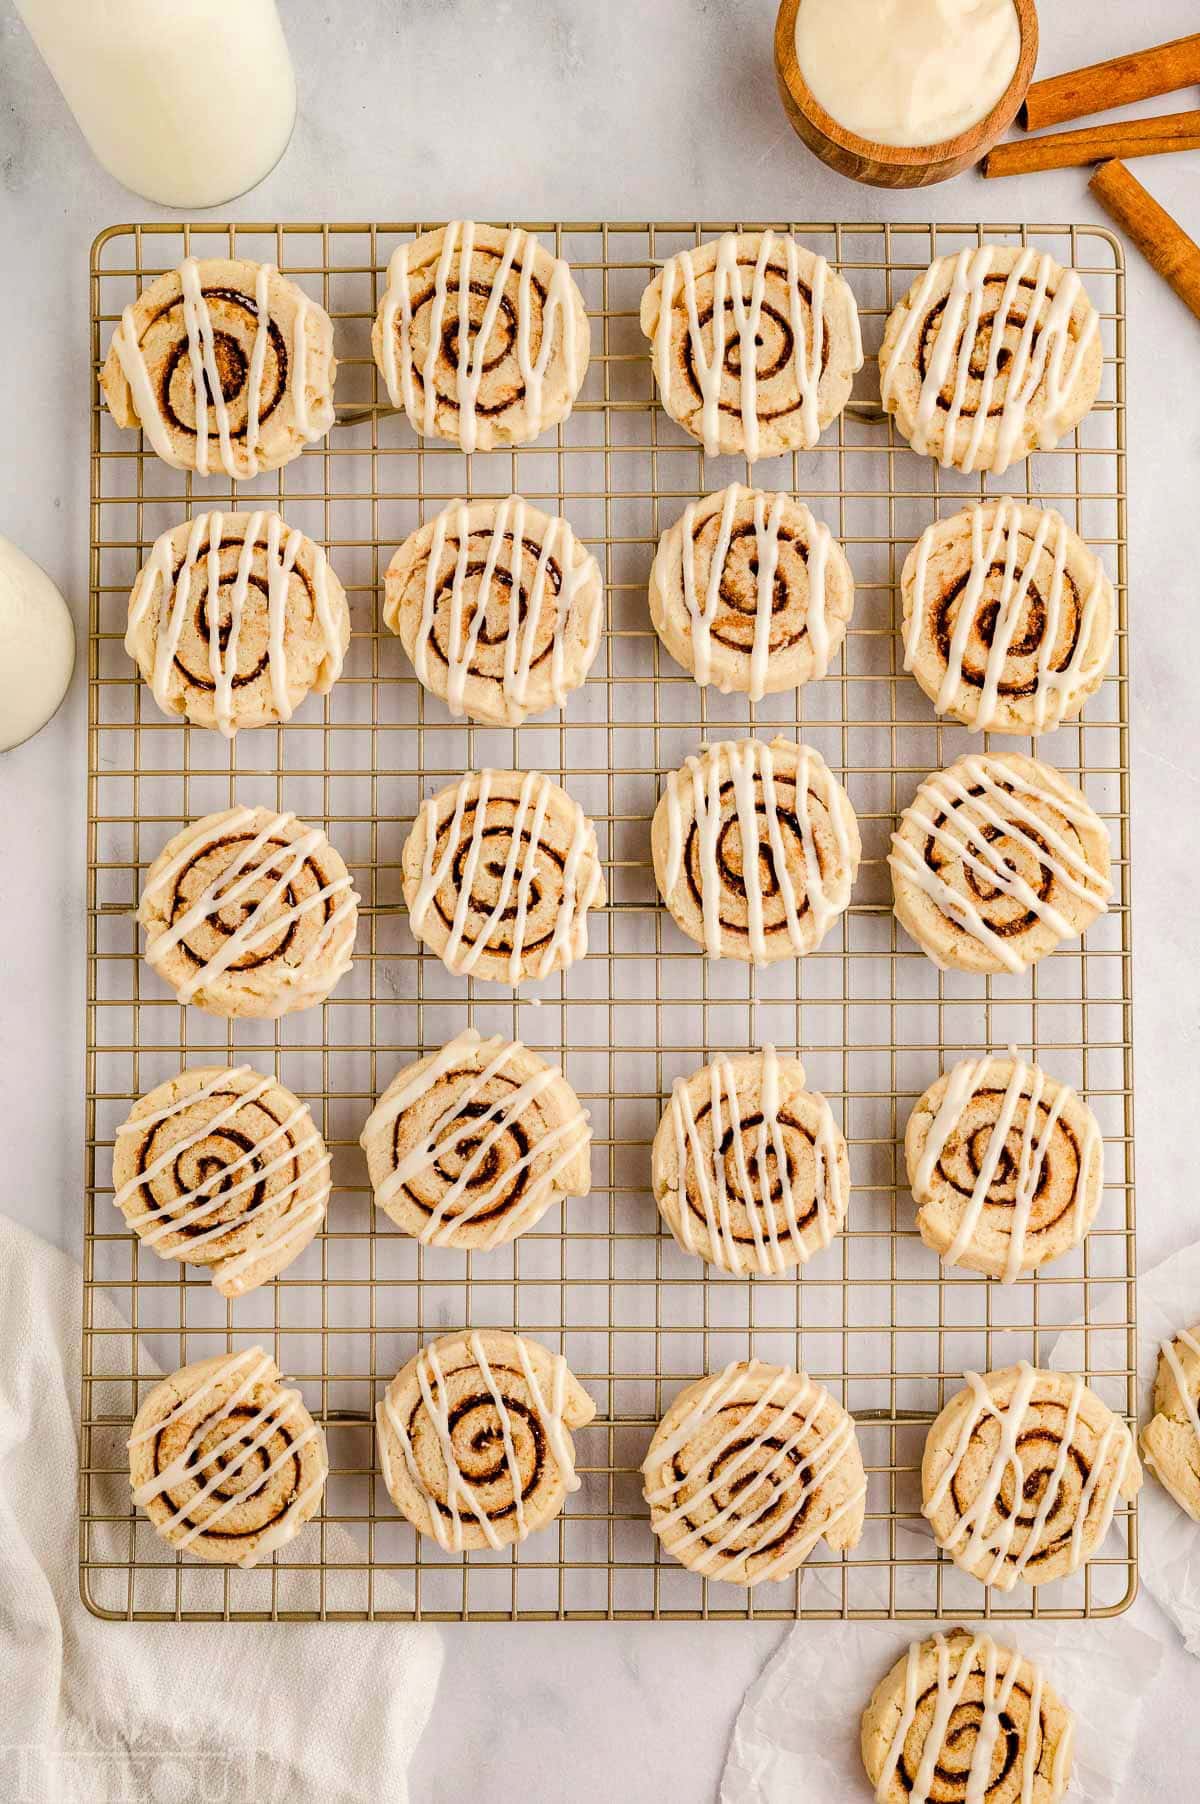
{"x":963,"y":833}
{"x":1028,"y":1081}
{"x":174,"y":598}
{"x":732,"y":1522}
{"x":454,"y":523}
{"x":709,"y":1168}
{"x":1175,"y":1365}
{"x":954,"y":346}
{"x":432,"y":1383}
{"x":998,"y":1682}
{"x":255,"y":860}
{"x":972,"y":1526}
{"x":679,"y":274}
{"x":1055,"y":689}
{"x":520,"y":249}
{"x":454,"y":1125}
{"x":745,"y":760}
{"x":570,"y":927}
{"x":225,"y":1463}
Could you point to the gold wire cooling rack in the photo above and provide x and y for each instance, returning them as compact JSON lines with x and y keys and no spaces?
{"x":875,"y":1316}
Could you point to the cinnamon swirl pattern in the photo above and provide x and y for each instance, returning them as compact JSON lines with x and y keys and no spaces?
{"x":755,"y":849}
{"x":226,"y":1461}
{"x":475,"y":1438}
{"x":996,"y":860}
{"x":750,"y":592}
{"x":499,"y":607}
{"x":1170,"y":1441}
{"x":470,"y":1146}
{"x":499,"y":874}
{"x":1022,"y":1474}
{"x":224,"y":1169}
{"x":750,"y":1170}
{"x":1008,"y":618}
{"x":234,"y":618}
{"x":755,"y":342}
{"x":991,"y":354}
{"x":1006,"y":1166}
{"x":959,"y":1720}
{"x":482,"y":336}
{"x":225,"y":365}
{"x":249,"y":912}
{"x":749,"y":1469}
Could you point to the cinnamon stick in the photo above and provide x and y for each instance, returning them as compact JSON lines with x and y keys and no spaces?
{"x":1096,"y":144}
{"x":1102,"y":85}
{"x":1164,"y":243}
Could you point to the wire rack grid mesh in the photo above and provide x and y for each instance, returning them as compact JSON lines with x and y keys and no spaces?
{"x":875,"y":1316}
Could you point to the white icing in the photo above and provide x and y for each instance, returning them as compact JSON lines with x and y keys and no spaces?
{"x":564,"y":1141}
{"x":1175,"y":1365}
{"x":1047,"y":368}
{"x":570,"y":927}
{"x":520,"y":250}
{"x":744,"y":761}
{"x":964,"y":834}
{"x":255,"y":860}
{"x":1055,"y":689}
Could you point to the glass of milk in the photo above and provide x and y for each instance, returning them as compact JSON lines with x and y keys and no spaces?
{"x":187,"y":102}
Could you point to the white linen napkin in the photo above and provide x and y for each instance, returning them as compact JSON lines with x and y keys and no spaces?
{"x":130,"y":1713}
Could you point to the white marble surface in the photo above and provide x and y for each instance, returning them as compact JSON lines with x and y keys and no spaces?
{"x":579,"y":108}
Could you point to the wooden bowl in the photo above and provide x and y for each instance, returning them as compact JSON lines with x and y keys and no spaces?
{"x":895,"y":165}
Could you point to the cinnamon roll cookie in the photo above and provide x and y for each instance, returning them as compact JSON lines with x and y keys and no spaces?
{"x":996,"y":860}
{"x":475,"y":1438}
{"x":482,"y":336}
{"x":755,"y":342}
{"x":749,"y":1167}
{"x":225,"y":365}
{"x":234,"y":618}
{"x":749,"y":1469}
{"x":225,"y":1460}
{"x":1170,"y":1441}
{"x":991,"y":354}
{"x":249,"y":912}
{"x":499,"y":872}
{"x":1006,"y":1166}
{"x":471,"y":1145}
{"x":1022,"y":1474}
{"x":224,"y":1169}
{"x":756,"y":848}
{"x":750,"y":592}
{"x":499,"y":607}
{"x":959,"y":1719}
{"x":1008,"y":618}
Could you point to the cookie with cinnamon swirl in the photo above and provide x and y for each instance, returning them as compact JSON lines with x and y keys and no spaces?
{"x":991,"y":354}
{"x":749,"y":1167}
{"x":475,"y":1438}
{"x":995,"y":861}
{"x":1009,"y":619}
{"x":249,"y":912}
{"x":223,"y":1169}
{"x":234,"y":618}
{"x":755,"y":342}
{"x":482,"y":336}
{"x":1170,"y":1441}
{"x":959,"y":1718}
{"x":750,"y":592}
{"x":749,"y":1469}
{"x":499,"y":607}
{"x":755,"y":848}
{"x":224,"y":365}
{"x":500,"y":872}
{"x":225,"y":1459}
{"x":1006,"y":1166}
{"x":1022,"y":1474}
{"x":472,"y":1144}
